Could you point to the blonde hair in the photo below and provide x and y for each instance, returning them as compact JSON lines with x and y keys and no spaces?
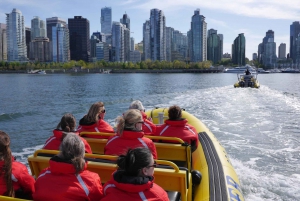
{"x":128,"y":120}
{"x":95,"y":109}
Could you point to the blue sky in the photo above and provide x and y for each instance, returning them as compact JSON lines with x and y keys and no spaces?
{"x":251,"y":17}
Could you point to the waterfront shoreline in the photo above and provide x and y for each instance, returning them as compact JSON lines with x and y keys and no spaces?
{"x":84,"y":71}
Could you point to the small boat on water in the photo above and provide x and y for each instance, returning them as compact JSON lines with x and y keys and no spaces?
{"x":290,"y":70}
{"x":37,"y":72}
{"x":247,"y":81}
{"x":240,"y":69}
{"x":198,"y":173}
{"x":262,"y":71}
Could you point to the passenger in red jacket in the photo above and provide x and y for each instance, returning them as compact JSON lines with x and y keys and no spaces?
{"x":66,"y":126}
{"x":94,"y":121}
{"x":148,"y":127}
{"x":134,"y":179}
{"x":15,"y":180}
{"x":129,"y":135}
{"x":176,"y":126}
{"x":66,"y":178}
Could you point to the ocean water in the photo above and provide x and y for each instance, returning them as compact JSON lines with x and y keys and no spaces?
{"x":259,"y":128}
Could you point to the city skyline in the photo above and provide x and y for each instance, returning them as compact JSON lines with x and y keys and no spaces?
{"x":253,"y":18}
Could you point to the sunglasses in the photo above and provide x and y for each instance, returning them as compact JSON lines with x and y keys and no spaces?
{"x":154,"y":165}
{"x":103,"y":111}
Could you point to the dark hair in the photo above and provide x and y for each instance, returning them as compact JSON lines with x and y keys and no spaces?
{"x":72,"y":149}
{"x":134,"y":160}
{"x":5,"y":154}
{"x":174,"y":112}
{"x":67,"y":123}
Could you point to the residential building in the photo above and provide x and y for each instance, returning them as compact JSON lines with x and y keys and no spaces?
{"x":15,"y":30}
{"x":146,"y":40}
{"x":254,"y":56}
{"x":282,"y":51}
{"x":221,"y":44}
{"x":100,"y":36}
{"x":41,"y":49}
{"x":3,"y":44}
{"x":198,"y":37}
{"x":269,"y":56}
{"x":169,"y":43}
{"x":79,"y":30}
{"x":28,"y":40}
{"x":179,"y":46}
{"x":53,"y":22}
{"x":239,"y":50}
{"x":135,"y":56}
{"x":227,"y":56}
{"x":214,"y":46}
{"x":117,"y":42}
{"x":106,"y":20}
{"x":157,"y":35}
{"x":126,"y":43}
{"x":131,"y":43}
{"x":102,"y":51}
{"x":294,"y":33}
{"x":60,"y":43}
{"x":38,"y":28}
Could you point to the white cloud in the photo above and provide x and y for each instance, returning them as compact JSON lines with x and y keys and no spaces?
{"x":269,"y":9}
{"x":217,"y":22}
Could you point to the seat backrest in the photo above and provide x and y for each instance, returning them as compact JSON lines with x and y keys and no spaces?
{"x":177,"y":151}
{"x":172,"y":179}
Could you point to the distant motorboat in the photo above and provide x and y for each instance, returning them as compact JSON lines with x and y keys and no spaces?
{"x":290,"y":70}
{"x":262,"y":71}
{"x":240,"y":69}
{"x":275,"y":70}
{"x":37,"y":72}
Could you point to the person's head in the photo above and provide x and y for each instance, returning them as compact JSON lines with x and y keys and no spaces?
{"x":174,"y":112}
{"x":67,"y":123}
{"x":131,"y":120}
{"x":96,"y":112}
{"x":137,"y":105}
{"x":137,"y":162}
{"x":5,"y":155}
{"x":72,"y":149}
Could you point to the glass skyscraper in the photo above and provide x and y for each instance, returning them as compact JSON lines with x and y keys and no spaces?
{"x":60,"y":43}
{"x":157,"y":35}
{"x":198,"y":37}
{"x":294,"y":33}
{"x":16,"y":41}
{"x":146,"y":40}
{"x":80,"y":46}
{"x":52,"y":22}
{"x":238,"y":50}
{"x":106,"y":20}
{"x":213,"y":46}
{"x":117,"y":42}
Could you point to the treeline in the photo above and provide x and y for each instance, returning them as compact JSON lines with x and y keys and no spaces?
{"x":148,"y":64}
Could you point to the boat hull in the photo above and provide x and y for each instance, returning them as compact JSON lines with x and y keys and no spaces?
{"x":219,"y":179}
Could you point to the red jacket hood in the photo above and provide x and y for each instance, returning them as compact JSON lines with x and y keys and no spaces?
{"x":132,"y":134}
{"x":131,"y":184}
{"x":62,"y":167}
{"x":179,"y":123}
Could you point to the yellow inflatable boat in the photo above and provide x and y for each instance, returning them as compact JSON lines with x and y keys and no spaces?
{"x":219,"y":179}
{"x":204,"y":174}
{"x":247,"y":81}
